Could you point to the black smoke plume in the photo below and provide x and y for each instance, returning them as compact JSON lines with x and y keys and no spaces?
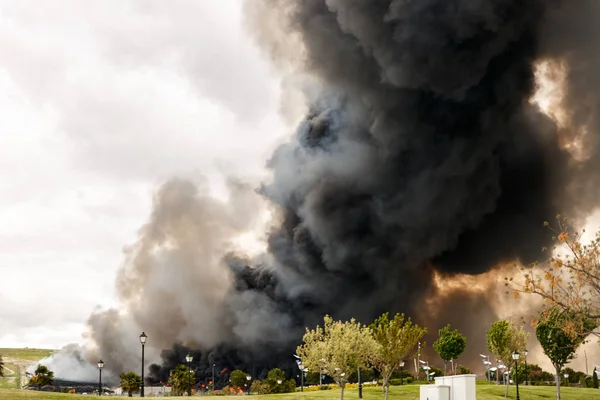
{"x":420,"y":153}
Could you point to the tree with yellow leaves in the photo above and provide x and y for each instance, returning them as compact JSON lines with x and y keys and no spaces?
{"x":568,"y":280}
{"x":337,"y":348}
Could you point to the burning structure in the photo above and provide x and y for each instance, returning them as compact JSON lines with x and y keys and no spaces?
{"x":425,"y":154}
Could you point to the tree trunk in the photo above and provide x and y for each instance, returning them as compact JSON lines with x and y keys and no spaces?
{"x":342,"y":393}
{"x":386,"y":381}
{"x":387,"y":392}
{"x":506,"y":383}
{"x":445,"y":368}
{"x":130,"y":393}
{"x":557,"y":383}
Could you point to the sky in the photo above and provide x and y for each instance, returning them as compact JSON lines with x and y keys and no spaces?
{"x":101,"y":102}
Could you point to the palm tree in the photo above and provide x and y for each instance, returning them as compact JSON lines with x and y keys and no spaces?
{"x":130,"y":382}
{"x":42,"y":377}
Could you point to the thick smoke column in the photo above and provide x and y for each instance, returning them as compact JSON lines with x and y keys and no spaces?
{"x":421,"y":154}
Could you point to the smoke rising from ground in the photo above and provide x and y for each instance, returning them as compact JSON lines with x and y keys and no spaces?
{"x":421,"y":155}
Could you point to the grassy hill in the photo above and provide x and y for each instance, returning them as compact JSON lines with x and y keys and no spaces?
{"x":19,"y":359}
{"x":411,"y":392}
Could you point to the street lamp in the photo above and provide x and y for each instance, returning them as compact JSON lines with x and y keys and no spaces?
{"x":189,"y":358}
{"x":279,"y":381}
{"x":100,"y":366}
{"x":248,"y":377}
{"x":425,"y":367}
{"x":322,"y":363}
{"x":143,"y":339}
{"x":566,"y":375}
{"x":515,"y":356}
{"x":526,"y":370}
{"x":213,"y":380}
{"x":301,"y":368}
{"x":418,"y":359}
{"x":401,"y":366}
{"x":487,"y":364}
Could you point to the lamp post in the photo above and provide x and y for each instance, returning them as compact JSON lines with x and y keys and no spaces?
{"x":189,"y":360}
{"x":301,"y":368}
{"x":100,"y":366}
{"x":526,"y":370}
{"x":418,"y":359}
{"x":248,"y":377}
{"x":425,"y":368}
{"x":359,"y":383}
{"x":566,"y":375}
{"x":321,"y":373}
{"x":143,"y":339}
{"x":401,"y":366}
{"x":213,"y":380}
{"x":515,"y":356}
{"x":487,"y":364}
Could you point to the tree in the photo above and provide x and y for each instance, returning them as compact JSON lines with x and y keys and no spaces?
{"x":396,"y":340}
{"x":42,"y":377}
{"x":449,"y":345}
{"x":558,"y":344}
{"x":594,"y":379}
{"x":238,"y":378}
{"x":180,"y":379}
{"x":503,"y":338}
{"x":337,"y":347}
{"x":569,"y":279}
{"x":130,"y":382}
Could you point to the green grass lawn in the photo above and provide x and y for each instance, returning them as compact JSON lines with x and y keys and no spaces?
{"x":410,"y":392}
{"x":15,"y":359}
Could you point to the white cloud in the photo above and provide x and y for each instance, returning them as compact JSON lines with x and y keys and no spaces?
{"x":100,"y":102}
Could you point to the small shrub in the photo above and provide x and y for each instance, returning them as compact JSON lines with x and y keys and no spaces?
{"x":395,"y":382}
{"x":408,"y":380}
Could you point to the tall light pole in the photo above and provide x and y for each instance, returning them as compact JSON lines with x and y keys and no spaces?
{"x":487,"y":364}
{"x":566,"y":374}
{"x":401,"y":366}
{"x":359,"y":383}
{"x":301,"y":368}
{"x":526,"y":370}
{"x":248,"y":378}
{"x":213,"y":381}
{"x":189,"y":360}
{"x":515,"y":356}
{"x":321,"y":364}
{"x":100,"y":366}
{"x":418,"y":359}
{"x":143,"y":339}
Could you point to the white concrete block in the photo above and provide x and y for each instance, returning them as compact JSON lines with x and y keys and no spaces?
{"x":434,"y":392}
{"x":462,"y":387}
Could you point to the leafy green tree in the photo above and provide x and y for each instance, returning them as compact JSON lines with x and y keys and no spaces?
{"x":559,"y":344}
{"x":462,"y":370}
{"x":449,"y":345}
{"x":503,"y":338}
{"x":238,"y":378}
{"x":130,"y":382}
{"x":276,"y":383}
{"x":395,"y":340}
{"x":180,"y":379}
{"x":42,"y":377}
{"x":338,"y":347}
{"x":594,"y":379}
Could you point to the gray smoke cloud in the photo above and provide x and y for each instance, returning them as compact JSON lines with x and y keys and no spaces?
{"x":420,"y":154}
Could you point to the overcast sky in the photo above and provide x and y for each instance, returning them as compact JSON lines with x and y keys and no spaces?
{"x":100,"y":102}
